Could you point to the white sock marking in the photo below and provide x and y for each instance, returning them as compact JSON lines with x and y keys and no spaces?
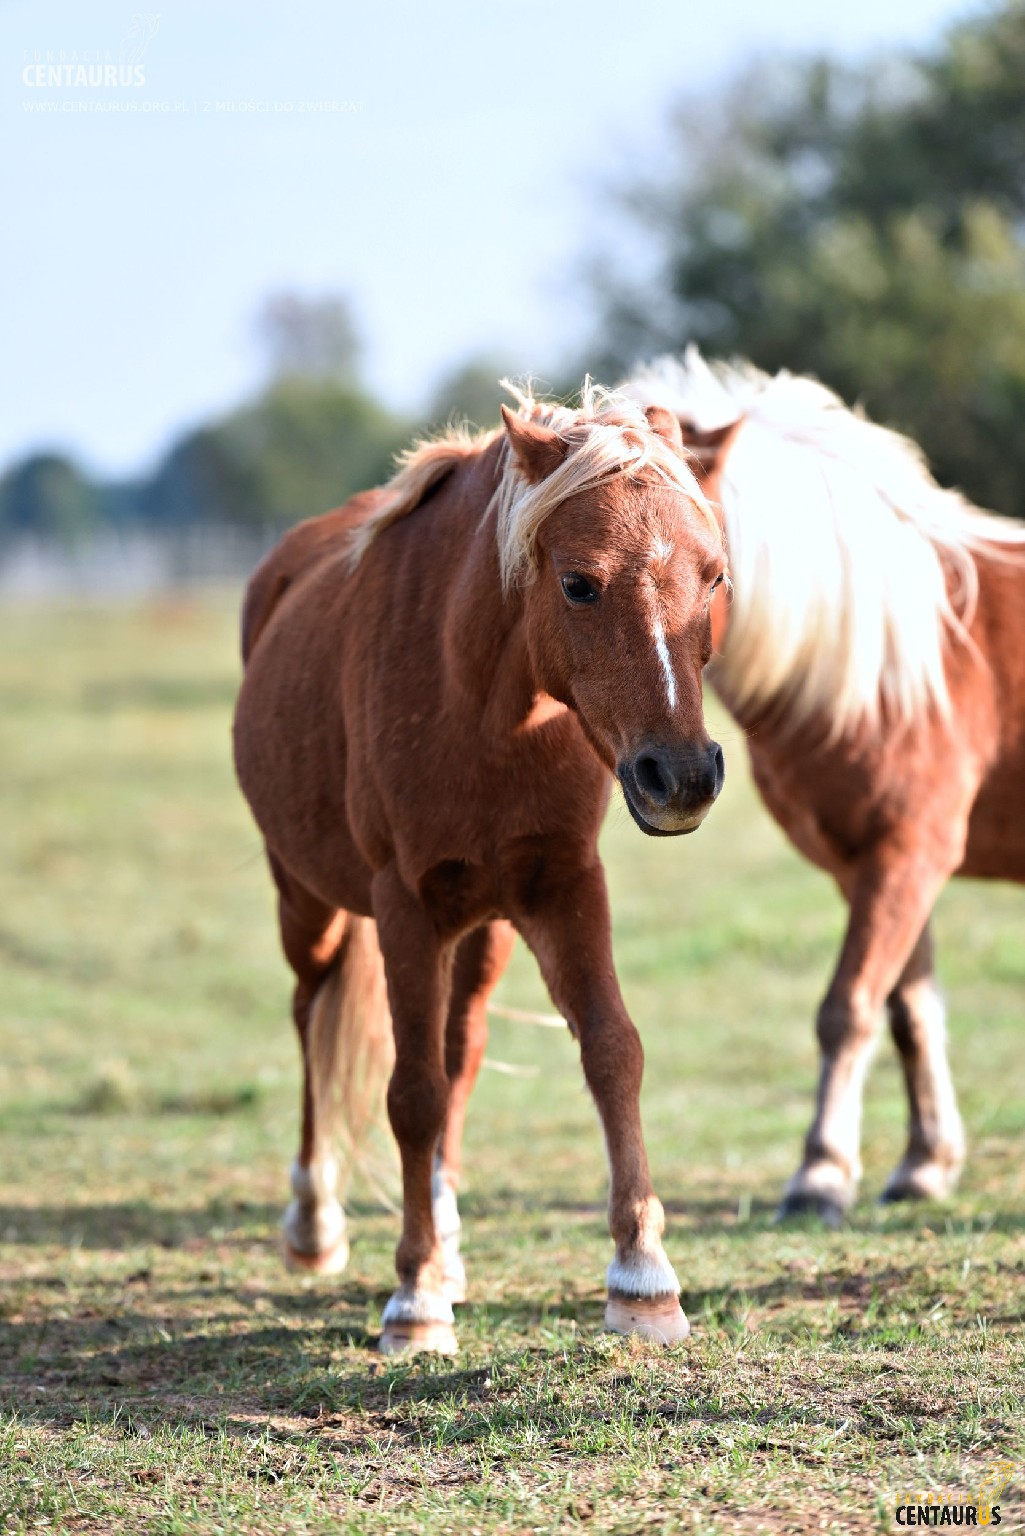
{"x":642,"y":1274}
{"x":417,"y":1307}
{"x":314,"y":1221}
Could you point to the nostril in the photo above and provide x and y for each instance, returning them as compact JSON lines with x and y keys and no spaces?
{"x":652,"y":779}
{"x":719,"y":765}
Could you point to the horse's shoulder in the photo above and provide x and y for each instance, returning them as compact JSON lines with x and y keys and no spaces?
{"x":296,"y":553}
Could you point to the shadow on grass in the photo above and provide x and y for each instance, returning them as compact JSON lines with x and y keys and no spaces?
{"x":132,"y":1224}
{"x":116,"y":1093}
{"x":138,"y":1223}
{"x":227,"y":1359}
{"x":717,"y":1216}
{"x":244,"y":1377}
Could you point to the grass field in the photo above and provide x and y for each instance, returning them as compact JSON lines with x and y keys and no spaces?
{"x":159,"y":1370}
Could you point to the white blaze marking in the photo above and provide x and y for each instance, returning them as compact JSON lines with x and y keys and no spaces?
{"x":662,"y":651}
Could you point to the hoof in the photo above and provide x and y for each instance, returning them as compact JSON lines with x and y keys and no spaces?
{"x":929,"y":1181}
{"x":651,"y":1317}
{"x":331,"y":1262}
{"x":401,"y":1338}
{"x":313,"y":1229}
{"x":825,"y":1208}
{"x":417,"y":1321}
{"x":903,"y":1189}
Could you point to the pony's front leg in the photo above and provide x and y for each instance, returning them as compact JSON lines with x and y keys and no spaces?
{"x":892,"y":894}
{"x":417,"y":964}
{"x":936,"y":1144}
{"x":481,"y":958}
{"x":566,"y":923}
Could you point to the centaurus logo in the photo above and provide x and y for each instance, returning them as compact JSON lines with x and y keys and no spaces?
{"x":96,"y":66}
{"x":137,"y":39}
{"x":940,"y":1507}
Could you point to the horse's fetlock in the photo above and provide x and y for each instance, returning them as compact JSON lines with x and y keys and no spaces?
{"x":827,"y":1168}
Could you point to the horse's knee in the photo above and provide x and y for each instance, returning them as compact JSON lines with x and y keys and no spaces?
{"x":417,"y":1104}
{"x":846,"y":1020}
{"x":613,"y":1060}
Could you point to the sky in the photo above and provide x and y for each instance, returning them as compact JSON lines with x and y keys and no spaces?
{"x":446,"y":166}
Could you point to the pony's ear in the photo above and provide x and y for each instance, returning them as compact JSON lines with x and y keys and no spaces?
{"x":666,"y":425}
{"x":536,"y":448}
{"x":708,"y":448}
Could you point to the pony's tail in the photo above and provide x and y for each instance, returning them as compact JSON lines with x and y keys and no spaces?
{"x":350,"y":1051}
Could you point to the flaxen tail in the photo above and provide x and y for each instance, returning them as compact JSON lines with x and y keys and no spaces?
{"x":351,"y":1052}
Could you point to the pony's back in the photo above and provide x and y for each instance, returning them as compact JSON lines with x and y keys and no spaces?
{"x":296,"y":553}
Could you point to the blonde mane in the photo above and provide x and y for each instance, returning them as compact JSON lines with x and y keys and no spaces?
{"x":840,"y":544}
{"x":607,"y":435}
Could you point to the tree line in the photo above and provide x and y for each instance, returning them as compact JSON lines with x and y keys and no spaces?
{"x":312,"y":436}
{"x":866,"y":225}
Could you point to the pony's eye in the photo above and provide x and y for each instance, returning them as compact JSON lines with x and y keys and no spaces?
{"x":578,"y":589}
{"x":718,"y":580}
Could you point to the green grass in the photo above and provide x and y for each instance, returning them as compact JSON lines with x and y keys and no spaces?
{"x":160,"y":1372}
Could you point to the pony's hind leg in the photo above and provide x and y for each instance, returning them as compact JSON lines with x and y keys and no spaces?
{"x":312,"y":936}
{"x":480,"y":960}
{"x":891,"y":895}
{"x":313,"y":1229}
{"x":936,"y":1145}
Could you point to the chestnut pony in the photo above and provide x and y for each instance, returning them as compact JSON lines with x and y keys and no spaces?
{"x":440,"y":679}
{"x":874,"y":653}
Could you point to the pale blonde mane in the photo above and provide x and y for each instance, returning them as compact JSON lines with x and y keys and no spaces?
{"x":840,"y":544}
{"x":422,"y":466}
{"x":607,"y":435}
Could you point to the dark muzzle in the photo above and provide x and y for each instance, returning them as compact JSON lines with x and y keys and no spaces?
{"x":670,"y":790}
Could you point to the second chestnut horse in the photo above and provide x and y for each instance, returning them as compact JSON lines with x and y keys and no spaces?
{"x":874,"y":653}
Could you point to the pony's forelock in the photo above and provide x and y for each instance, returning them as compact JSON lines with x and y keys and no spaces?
{"x":607,"y":435}
{"x":840,"y":543}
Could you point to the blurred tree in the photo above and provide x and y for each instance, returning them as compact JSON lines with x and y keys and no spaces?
{"x":310,"y":440}
{"x":303,"y":447}
{"x":47,"y":494}
{"x":203,"y":479}
{"x":309,"y":338}
{"x":868,"y":227}
{"x":957,"y":135}
{"x":470,"y":393}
